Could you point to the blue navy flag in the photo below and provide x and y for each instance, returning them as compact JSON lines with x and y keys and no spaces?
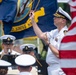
{"x":8,"y":9}
{"x":44,"y":10}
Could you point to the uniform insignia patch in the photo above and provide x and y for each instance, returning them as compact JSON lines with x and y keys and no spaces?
{"x":65,"y":31}
{"x":56,"y":39}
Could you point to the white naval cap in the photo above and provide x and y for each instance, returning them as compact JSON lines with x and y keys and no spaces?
{"x":61,"y":13}
{"x":7,"y":36}
{"x":4,"y":64}
{"x":7,"y":39}
{"x":27,"y":45}
{"x":25,"y":60}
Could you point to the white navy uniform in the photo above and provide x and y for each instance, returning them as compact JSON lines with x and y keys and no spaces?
{"x":8,"y":39}
{"x":55,"y":38}
{"x":30,"y":47}
{"x":53,"y":62}
{"x":12,"y":53}
{"x":25,"y":73}
{"x":25,"y":60}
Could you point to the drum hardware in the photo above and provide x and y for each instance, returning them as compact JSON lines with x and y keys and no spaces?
{"x":37,"y":69}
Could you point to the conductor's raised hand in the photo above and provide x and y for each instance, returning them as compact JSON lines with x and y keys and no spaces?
{"x":31,"y":14}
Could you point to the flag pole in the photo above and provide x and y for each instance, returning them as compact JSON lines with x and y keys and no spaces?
{"x":38,"y":45}
{"x":0,"y":33}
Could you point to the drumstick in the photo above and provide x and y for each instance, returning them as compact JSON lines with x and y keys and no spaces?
{"x":38,"y":61}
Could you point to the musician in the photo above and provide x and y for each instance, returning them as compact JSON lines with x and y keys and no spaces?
{"x":4,"y":67}
{"x":7,"y":53}
{"x":25,"y":62}
{"x":7,"y":44}
{"x":53,"y":39}
{"x":32,"y":50}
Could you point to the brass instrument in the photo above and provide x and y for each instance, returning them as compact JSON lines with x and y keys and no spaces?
{"x":9,"y":51}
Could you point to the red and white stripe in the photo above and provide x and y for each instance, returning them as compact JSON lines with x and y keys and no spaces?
{"x":67,"y":49}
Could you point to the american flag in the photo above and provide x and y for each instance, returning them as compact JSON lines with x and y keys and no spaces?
{"x":67,"y":49}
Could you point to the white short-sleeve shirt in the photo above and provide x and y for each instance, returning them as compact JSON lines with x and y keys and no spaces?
{"x":13,"y":52}
{"x":25,"y":73}
{"x":55,"y":38}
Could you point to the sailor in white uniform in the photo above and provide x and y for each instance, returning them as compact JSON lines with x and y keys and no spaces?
{"x":25,"y":62}
{"x":40,"y":66}
{"x":4,"y":67}
{"x":7,"y":45}
{"x":53,"y":39}
{"x":28,"y":49}
{"x":31,"y":50}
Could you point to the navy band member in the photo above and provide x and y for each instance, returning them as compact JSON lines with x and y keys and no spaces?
{"x":25,"y":63}
{"x":4,"y":67}
{"x":7,"y":52}
{"x":32,"y":50}
{"x":29,"y":49}
{"x":53,"y":39}
{"x":7,"y":45}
